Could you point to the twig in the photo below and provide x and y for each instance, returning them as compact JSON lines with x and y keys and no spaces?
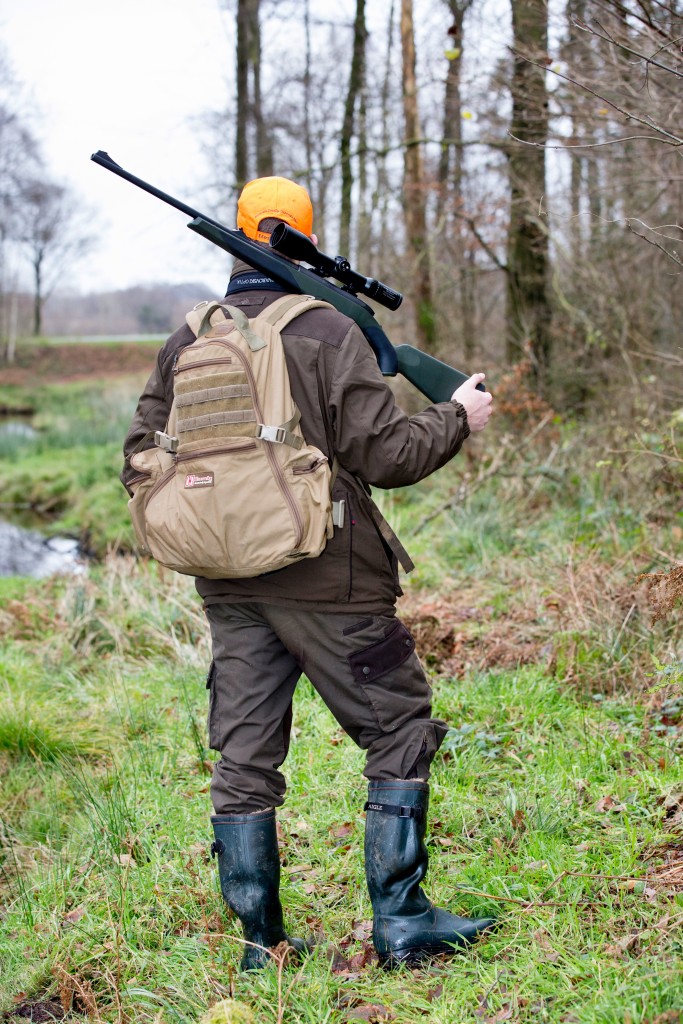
{"x":674,"y":139}
{"x":619,"y":878}
{"x":527,"y":904}
{"x":623,"y":46}
{"x":585,"y":145}
{"x":673,"y":255}
{"x":280,"y":959}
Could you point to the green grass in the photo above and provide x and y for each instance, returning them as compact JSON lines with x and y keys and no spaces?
{"x":107,"y":878}
{"x":64,"y":480}
{"x":556,"y":797}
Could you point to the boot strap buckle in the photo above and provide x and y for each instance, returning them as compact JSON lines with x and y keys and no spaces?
{"x":400,"y":810}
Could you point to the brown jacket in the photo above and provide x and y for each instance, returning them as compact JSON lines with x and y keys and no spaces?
{"x":348,"y":410}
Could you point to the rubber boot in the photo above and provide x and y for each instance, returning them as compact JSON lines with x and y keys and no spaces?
{"x":249,"y":872}
{"x":407,"y":928}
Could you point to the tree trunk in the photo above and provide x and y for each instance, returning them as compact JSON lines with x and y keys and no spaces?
{"x":253,"y":145}
{"x":380,"y":199}
{"x":528,"y":304}
{"x":264,"y":143}
{"x":37,"y":295}
{"x":243,"y":100}
{"x":414,"y":190}
{"x":450,"y":194}
{"x":354,"y":91}
{"x":450,"y":160}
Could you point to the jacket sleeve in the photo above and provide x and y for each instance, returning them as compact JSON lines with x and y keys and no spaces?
{"x":154,"y":404}
{"x":374,"y":438}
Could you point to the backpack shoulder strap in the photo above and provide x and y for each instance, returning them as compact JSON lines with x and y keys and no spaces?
{"x":277,"y":314}
{"x":281,"y":312}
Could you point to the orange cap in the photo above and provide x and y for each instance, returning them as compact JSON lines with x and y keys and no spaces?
{"x":273,"y":197}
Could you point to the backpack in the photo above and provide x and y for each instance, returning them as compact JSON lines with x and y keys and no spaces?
{"x":231,"y":489}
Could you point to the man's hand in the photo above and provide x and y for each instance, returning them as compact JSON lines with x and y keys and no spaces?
{"x":477,"y":403}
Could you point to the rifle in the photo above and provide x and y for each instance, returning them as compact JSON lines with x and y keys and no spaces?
{"x":433,"y":378}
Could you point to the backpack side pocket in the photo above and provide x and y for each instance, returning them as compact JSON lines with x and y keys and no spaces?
{"x":151,"y":465}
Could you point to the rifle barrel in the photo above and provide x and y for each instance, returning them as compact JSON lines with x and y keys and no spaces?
{"x":104,"y":160}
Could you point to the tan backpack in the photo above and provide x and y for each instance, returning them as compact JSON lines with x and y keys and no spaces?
{"x":231,"y":489}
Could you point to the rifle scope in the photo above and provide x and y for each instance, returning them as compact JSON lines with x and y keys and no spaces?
{"x":297,"y":246}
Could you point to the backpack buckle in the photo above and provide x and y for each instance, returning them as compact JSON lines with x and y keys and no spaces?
{"x":277,"y":435}
{"x":165,"y":441}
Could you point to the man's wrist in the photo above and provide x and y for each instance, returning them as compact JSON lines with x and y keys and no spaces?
{"x":462,"y":412}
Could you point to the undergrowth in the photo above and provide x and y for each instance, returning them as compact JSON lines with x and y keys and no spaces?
{"x":546,"y":609}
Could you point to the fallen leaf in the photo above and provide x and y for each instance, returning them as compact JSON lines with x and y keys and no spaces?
{"x":126,"y":860}
{"x":608,"y":803}
{"x":361,"y":930}
{"x":299,"y":869}
{"x":372,"y":1012}
{"x":74,"y":916}
{"x":505,"y":1013}
{"x":519,"y":819}
{"x":343,"y":830}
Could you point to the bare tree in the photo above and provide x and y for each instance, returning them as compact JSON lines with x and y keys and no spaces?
{"x":251,"y":122}
{"x":52,"y":228}
{"x":415,"y":198}
{"x":19,"y":155}
{"x":528,"y":301}
{"x":354,"y":94}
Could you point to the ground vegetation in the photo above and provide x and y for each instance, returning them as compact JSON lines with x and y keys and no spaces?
{"x":547,"y":613}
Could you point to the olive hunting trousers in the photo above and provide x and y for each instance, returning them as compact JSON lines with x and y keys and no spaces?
{"x":365,"y":669}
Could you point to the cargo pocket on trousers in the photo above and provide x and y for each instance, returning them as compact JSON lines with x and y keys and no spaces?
{"x":392,"y":678}
{"x":211,"y":720}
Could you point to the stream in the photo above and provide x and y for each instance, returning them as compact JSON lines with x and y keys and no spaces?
{"x":24,"y":550}
{"x":28,"y":553}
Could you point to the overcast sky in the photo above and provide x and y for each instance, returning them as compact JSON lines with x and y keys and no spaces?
{"x":126,"y":77}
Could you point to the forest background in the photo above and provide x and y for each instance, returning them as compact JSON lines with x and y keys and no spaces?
{"x":527,"y":202}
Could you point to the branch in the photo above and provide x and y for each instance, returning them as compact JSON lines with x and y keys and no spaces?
{"x":676,"y":141}
{"x":672,"y":255}
{"x":606,"y":37}
{"x":492,"y":255}
{"x":591,"y":145}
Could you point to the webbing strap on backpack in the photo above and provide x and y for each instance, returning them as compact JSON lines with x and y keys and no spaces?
{"x":241,"y":322}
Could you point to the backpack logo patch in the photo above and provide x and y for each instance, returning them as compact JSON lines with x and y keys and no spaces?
{"x":199,"y":480}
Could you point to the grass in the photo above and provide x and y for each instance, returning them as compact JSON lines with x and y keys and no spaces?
{"x":556,"y":798}
{"x":64,"y":478}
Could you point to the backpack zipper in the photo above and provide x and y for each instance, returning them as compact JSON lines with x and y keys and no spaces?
{"x":199,"y":362}
{"x":215,"y":451}
{"x":169,"y":473}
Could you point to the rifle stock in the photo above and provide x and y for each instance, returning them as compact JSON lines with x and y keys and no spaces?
{"x":435,"y":379}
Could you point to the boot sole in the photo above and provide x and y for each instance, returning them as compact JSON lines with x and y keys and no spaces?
{"x":419,"y":954}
